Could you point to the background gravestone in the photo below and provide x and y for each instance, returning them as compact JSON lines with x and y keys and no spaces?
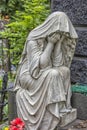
{"x":6,"y":66}
{"x":77,"y":12}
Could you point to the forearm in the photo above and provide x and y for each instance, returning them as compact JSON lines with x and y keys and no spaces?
{"x":45,"y":57}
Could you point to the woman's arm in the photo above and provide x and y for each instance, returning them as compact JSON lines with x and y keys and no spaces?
{"x":33,"y":56}
{"x":45,"y":57}
{"x":58,"y":58}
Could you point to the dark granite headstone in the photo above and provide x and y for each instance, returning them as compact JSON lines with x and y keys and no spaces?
{"x":75,"y":9}
{"x":77,"y":12}
{"x":81,"y":48}
{"x":79,"y":70}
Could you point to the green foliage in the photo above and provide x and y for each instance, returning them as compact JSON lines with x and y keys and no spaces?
{"x":0,"y":83}
{"x":10,"y":6}
{"x":34,"y":13}
{"x":6,"y":127}
{"x":5,"y":111}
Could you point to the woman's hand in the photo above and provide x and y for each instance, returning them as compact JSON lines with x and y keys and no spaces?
{"x":62,"y":38}
{"x":53,"y":38}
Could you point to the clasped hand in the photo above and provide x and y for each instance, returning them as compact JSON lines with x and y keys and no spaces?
{"x":53,"y":38}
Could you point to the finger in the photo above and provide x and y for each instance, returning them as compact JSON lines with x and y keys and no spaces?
{"x":53,"y":35}
{"x":62,"y":38}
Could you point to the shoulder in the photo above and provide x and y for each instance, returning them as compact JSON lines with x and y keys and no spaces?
{"x":32,"y":44}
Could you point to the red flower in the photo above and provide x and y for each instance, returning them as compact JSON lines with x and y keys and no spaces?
{"x":17,"y":124}
{"x":13,"y":128}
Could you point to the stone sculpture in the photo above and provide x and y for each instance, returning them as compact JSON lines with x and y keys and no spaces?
{"x":43,"y":77}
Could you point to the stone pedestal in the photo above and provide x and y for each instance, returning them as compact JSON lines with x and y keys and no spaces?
{"x":68,"y":118}
{"x":79,"y":101}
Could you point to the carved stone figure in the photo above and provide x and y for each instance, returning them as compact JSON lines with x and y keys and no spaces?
{"x":43,"y":77}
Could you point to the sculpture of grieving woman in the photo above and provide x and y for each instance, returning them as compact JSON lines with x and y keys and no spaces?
{"x":43,"y":77}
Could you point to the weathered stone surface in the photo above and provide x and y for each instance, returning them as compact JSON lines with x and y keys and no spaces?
{"x":79,"y":101}
{"x":79,"y":70}
{"x":75,"y":9}
{"x":12,"y":105}
{"x":68,"y":118}
{"x":1,"y":25}
{"x":81,"y":47}
{"x":73,"y":126}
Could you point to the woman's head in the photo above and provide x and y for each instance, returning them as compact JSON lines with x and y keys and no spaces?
{"x":53,"y":38}
{"x":56,"y":22}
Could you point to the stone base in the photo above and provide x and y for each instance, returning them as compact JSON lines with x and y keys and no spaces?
{"x":75,"y":125}
{"x":79,"y":101}
{"x":67,"y":118}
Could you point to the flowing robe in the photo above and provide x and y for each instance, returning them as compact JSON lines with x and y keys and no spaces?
{"x":42,"y":91}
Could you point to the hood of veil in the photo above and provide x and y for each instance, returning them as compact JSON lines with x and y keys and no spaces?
{"x":56,"y":22}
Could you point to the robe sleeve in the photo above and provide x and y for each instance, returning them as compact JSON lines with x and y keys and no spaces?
{"x":33,"y":56}
{"x":57,"y":57}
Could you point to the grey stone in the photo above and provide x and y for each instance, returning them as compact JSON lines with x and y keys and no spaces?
{"x":79,"y":70}
{"x":81,"y":47}
{"x":12,"y":105}
{"x":79,"y":101}
{"x":1,"y":25}
{"x":72,"y":126}
{"x":75,"y":9}
{"x":68,"y":117}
